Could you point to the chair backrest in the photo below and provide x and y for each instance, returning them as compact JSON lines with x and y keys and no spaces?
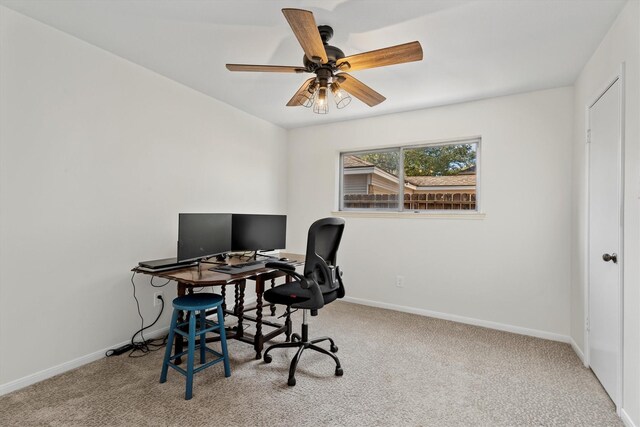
{"x":322,"y":249}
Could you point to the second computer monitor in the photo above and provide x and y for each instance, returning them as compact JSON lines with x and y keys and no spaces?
{"x":258,"y":232}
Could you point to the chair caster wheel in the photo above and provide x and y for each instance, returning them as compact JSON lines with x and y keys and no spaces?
{"x":267,"y":358}
{"x":339,"y":372}
{"x":291,"y":382}
{"x":334,"y":349}
{"x":295,"y":337}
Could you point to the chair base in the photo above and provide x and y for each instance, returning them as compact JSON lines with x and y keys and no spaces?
{"x":303,"y":343}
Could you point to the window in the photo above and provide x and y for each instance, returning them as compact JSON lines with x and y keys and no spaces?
{"x":434,"y":177}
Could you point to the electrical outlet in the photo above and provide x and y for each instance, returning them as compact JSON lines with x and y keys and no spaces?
{"x":400,"y":281}
{"x":156,"y":299}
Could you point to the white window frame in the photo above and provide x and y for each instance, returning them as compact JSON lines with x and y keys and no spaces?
{"x":400,"y":208}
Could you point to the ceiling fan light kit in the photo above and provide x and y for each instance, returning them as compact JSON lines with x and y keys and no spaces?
{"x":340,"y":96}
{"x":316,"y":94}
{"x":321,"y":106}
{"x":329,"y":64}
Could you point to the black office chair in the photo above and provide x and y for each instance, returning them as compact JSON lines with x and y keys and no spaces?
{"x":320,"y":285}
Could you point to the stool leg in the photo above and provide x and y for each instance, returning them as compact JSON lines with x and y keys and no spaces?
{"x":190,"y":356}
{"x":167,"y":352}
{"x":223,"y":343}
{"x":203,"y":336}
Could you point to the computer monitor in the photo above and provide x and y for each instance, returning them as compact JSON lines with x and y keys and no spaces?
{"x":203,"y":235}
{"x":258,"y":232}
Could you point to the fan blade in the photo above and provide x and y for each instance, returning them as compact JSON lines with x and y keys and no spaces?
{"x":304,"y":27}
{"x":360,"y":90}
{"x":295,"y":100}
{"x":265,"y":68}
{"x":399,"y":54}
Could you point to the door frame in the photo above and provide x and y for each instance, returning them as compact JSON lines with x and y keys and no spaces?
{"x":619,"y":76}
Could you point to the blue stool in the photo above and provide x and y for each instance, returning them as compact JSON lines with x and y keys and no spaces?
{"x":192,"y":303}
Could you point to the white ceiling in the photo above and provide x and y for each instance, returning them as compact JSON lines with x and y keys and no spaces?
{"x":472,"y":49}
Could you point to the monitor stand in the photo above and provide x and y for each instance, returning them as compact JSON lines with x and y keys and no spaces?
{"x":265,"y":256}
{"x":220,"y":260}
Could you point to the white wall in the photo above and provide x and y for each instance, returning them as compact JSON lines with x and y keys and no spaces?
{"x":97,"y":158}
{"x":621,"y":44}
{"x":511,"y":267}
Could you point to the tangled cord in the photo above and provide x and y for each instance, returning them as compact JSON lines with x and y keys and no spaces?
{"x":145,"y":346}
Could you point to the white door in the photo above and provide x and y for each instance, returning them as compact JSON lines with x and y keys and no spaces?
{"x":604,"y":239}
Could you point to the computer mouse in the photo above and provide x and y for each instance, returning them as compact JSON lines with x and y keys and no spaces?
{"x":284,"y":259}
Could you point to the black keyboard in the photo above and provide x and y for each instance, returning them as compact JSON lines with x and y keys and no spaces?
{"x":246,"y":264}
{"x":239,"y":268}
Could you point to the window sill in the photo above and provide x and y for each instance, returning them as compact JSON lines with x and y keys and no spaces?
{"x":412,"y":215}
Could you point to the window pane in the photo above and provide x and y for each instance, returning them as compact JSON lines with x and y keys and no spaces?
{"x":370,"y":180}
{"x":440,"y":177}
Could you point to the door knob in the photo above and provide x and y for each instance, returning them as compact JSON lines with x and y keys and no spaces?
{"x":612,"y":257}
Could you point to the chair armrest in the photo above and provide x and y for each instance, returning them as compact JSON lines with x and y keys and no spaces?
{"x":305,"y":283}
{"x":326,"y":271}
{"x":341,"y":292}
{"x":291,"y":271}
{"x":279,"y":265}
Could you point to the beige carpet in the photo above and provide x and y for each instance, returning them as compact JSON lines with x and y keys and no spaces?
{"x":399,"y":370}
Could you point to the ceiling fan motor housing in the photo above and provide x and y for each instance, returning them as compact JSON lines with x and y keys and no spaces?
{"x":333,"y":53}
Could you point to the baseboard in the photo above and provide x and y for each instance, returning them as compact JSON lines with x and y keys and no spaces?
{"x":80,"y":361}
{"x":67,"y":366}
{"x":461,"y":319}
{"x":578,"y":352}
{"x":626,"y":419}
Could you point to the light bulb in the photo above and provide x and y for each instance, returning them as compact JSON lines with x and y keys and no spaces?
{"x":322,"y":96}
{"x":321,"y":106}
{"x":340,"y":96}
{"x":308,"y":96}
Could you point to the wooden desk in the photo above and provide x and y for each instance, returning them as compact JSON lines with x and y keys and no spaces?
{"x":194,"y":277}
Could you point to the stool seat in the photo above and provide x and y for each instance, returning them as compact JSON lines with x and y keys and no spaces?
{"x":196,"y":302}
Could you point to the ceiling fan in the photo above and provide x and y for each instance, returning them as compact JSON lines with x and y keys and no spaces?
{"x":329,"y":64}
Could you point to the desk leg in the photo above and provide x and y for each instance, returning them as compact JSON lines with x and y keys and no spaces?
{"x":289,"y":330}
{"x":236,"y":296}
{"x":223,"y":291}
{"x":273,"y":306}
{"x":239,"y":308}
{"x":258,"y":342}
{"x":178,"y":345}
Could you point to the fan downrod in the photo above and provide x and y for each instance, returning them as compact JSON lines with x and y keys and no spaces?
{"x":326,"y":32}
